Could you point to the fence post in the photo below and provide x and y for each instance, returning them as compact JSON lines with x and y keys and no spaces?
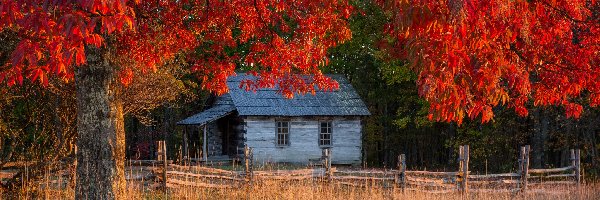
{"x":524,"y":166}
{"x":578,"y":167}
{"x":573,"y":163}
{"x":162,"y":156}
{"x":402,"y":171}
{"x":521,"y":161}
{"x":248,"y":162}
{"x":466,"y":169}
{"x":326,"y":157}
{"x":463,"y":169}
{"x":459,"y":175}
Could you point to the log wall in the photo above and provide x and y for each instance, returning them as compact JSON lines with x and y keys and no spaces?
{"x":304,"y":139}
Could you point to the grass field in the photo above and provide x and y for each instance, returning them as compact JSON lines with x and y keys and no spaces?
{"x":305,"y":189}
{"x":312,"y":190}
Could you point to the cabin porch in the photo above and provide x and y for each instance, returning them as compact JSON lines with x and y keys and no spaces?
{"x":214,"y":135}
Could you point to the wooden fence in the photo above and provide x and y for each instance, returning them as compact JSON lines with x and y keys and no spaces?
{"x":434,"y":182}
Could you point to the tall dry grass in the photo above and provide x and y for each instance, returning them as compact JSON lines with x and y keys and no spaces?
{"x":315,"y":190}
{"x":312,"y":190}
{"x":60,"y":188}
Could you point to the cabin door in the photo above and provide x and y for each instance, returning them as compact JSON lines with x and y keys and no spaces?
{"x":229,"y":127}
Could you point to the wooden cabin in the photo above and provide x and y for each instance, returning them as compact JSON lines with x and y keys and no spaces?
{"x":279,"y":129}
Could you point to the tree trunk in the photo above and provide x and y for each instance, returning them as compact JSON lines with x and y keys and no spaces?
{"x":100,"y":129}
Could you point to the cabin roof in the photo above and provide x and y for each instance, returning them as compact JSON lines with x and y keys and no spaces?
{"x":208,"y":115}
{"x":268,"y":102}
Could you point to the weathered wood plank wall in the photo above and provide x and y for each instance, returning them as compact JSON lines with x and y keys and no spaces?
{"x":304,"y":136}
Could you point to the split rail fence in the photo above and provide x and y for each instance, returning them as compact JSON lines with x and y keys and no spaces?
{"x":461,"y":180}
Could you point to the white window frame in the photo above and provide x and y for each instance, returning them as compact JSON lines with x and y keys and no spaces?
{"x":328,"y":131}
{"x":282,"y":130}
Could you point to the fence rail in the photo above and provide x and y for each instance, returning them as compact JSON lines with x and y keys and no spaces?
{"x":174,"y":175}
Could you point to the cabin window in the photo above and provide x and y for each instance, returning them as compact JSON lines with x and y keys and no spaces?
{"x":283,"y":133}
{"x":325,"y":134}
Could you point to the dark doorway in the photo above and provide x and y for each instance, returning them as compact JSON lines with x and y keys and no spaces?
{"x":230,"y":138}
{"x":195,"y":142}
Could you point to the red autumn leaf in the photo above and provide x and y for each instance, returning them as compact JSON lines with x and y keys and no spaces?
{"x":147,"y":34}
{"x":511,"y":52}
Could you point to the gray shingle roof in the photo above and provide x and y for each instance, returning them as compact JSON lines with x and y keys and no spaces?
{"x":208,"y":115}
{"x":268,"y":102}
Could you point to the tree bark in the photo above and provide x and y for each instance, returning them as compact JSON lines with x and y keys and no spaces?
{"x":100,"y":129}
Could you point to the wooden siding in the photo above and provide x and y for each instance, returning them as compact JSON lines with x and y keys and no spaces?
{"x":214,"y":140}
{"x":304,"y":140}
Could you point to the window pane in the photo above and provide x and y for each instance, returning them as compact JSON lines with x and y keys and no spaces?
{"x":282,"y":133}
{"x":325,"y":133}
{"x":279,"y":139}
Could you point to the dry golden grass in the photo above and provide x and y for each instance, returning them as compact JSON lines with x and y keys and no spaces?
{"x":314,"y":190}
{"x":297,"y":190}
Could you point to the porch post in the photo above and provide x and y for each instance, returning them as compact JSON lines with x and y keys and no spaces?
{"x":204,"y":149}
{"x":185,"y":145}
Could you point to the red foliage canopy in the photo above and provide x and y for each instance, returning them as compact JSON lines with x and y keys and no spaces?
{"x":287,"y":39}
{"x":472,"y":55}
